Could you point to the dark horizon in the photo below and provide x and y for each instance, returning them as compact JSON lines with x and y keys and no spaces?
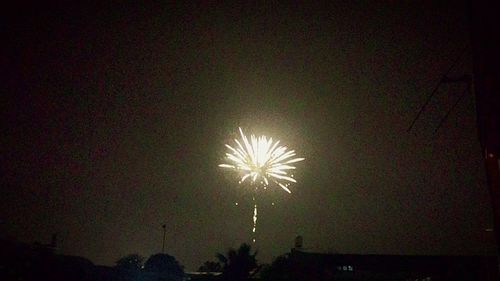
{"x":117,"y":118}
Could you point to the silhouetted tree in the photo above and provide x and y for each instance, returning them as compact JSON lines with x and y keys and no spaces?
{"x":130,"y":262}
{"x":210,"y":266}
{"x":237,"y":264}
{"x":163,"y":263}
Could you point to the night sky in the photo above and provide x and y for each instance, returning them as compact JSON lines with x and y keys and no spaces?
{"x":115,"y":119}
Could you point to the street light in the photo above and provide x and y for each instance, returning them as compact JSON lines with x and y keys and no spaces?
{"x":163,"y":241}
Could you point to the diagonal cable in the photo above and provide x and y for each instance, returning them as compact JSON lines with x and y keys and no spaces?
{"x":427,"y":101}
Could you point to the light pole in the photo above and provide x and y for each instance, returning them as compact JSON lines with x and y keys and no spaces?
{"x":163,"y":241}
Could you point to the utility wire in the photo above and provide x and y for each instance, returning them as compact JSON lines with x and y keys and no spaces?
{"x":441,"y":122}
{"x":443,"y":78}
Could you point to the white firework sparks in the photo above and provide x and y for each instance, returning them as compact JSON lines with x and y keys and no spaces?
{"x":259,"y":158}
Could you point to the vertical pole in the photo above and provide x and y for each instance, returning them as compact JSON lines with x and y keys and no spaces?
{"x":163,"y":240}
{"x":486,"y":59}
{"x":493,"y":175}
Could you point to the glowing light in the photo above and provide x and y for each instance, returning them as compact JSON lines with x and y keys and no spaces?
{"x":260,"y":161}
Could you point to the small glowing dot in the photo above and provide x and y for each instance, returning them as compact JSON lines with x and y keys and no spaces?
{"x":253,"y":240}
{"x":236,"y":203}
{"x":272,"y":203}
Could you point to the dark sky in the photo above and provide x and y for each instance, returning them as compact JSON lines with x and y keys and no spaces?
{"x":116,"y":118}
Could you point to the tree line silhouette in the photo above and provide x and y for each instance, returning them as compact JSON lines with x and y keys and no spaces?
{"x":235,"y":265}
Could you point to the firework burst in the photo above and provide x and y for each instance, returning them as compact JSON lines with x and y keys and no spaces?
{"x":260,"y":160}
